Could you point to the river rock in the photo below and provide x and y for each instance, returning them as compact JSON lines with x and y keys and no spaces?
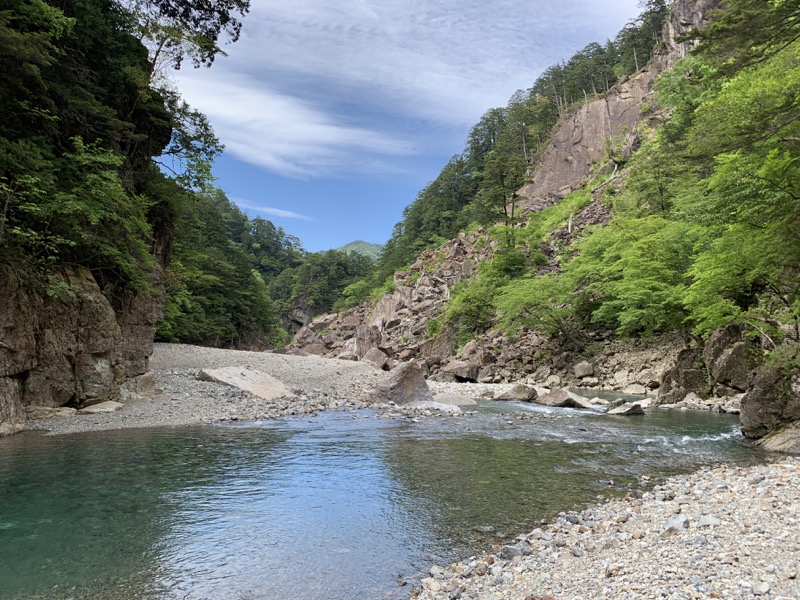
{"x":256,"y":382}
{"x":627,"y":409}
{"x":405,"y":384}
{"x":377,"y":357}
{"x":687,"y":376}
{"x":563,"y":398}
{"x":459,"y":370}
{"x":636,"y":389}
{"x":455,"y":399}
{"x":771,"y":403}
{"x":729,"y":357}
{"x":49,"y":412}
{"x":449,"y":409}
{"x":583,"y":369}
{"x":519,"y":392}
{"x":786,"y":440}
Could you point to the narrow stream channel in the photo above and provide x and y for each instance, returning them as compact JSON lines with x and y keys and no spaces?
{"x":345,"y":505}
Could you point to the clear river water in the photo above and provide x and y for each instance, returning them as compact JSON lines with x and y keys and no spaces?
{"x":341,"y":506}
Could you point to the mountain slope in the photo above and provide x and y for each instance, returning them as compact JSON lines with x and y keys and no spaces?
{"x":667,"y":206}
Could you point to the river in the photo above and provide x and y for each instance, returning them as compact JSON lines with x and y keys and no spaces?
{"x":344,"y":505}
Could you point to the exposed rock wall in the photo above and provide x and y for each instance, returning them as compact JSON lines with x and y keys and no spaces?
{"x":582,"y":139}
{"x":684,"y":16}
{"x":70,"y":347}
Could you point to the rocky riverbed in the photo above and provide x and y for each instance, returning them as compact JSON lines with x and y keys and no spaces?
{"x":719,"y":533}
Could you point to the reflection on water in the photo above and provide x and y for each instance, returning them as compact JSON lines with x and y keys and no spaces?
{"x":344,"y":505}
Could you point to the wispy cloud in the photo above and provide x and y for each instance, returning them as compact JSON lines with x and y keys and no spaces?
{"x":270,"y":210}
{"x":319,"y":88}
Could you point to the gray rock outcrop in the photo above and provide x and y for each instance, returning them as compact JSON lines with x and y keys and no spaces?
{"x":772,"y":402}
{"x":562,"y":398}
{"x":581,"y":141}
{"x":75,"y":346}
{"x":519,"y":392}
{"x":250,"y":380}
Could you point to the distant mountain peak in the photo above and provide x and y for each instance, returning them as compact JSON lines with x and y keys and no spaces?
{"x":361,"y":247}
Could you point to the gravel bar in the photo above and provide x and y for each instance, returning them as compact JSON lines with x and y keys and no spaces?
{"x":726,"y":532}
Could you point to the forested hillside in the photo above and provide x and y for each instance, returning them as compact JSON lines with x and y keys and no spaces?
{"x":665,"y":203}
{"x":705,"y":211}
{"x":236,"y":281}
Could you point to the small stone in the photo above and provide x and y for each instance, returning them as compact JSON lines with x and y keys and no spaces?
{"x":708,"y":521}
{"x":761,"y":588}
{"x":677,"y":523}
{"x":577,"y":552}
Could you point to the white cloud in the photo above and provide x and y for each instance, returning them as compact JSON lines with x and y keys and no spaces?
{"x":318,"y":88}
{"x":283,"y":133}
{"x":270,"y":210}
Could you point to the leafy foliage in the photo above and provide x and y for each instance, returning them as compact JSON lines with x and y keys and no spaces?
{"x":706,"y":230}
{"x":214,"y":296}
{"x":479,"y":185}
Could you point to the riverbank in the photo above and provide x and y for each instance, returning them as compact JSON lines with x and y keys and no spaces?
{"x":726,"y":532}
{"x":183,"y":399}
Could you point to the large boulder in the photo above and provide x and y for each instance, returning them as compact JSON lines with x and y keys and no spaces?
{"x":376,"y":357}
{"x":786,"y":440}
{"x":405,"y":384}
{"x":583,"y":369}
{"x":730,"y":358}
{"x":253,"y":381}
{"x":772,"y":401}
{"x":627,"y":409}
{"x":459,"y":370}
{"x":687,"y":376}
{"x":520,"y":392}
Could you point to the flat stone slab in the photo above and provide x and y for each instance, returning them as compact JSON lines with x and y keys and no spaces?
{"x":256,"y":382}
{"x":454,"y":399}
{"x":48,"y":412}
{"x":450,"y":409}
{"x":102,"y":407}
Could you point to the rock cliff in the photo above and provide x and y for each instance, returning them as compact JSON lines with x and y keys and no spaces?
{"x":604,"y":129}
{"x":405,"y":324}
{"x":586,"y":137}
{"x":67,"y":344}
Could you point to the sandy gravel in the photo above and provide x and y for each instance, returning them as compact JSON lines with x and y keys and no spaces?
{"x":182,"y":399}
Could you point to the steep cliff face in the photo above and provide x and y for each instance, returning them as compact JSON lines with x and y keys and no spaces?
{"x":70,"y":346}
{"x":397,"y":328}
{"x":584,"y":138}
{"x":684,"y":16}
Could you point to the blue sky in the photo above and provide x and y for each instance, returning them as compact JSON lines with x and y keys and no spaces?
{"x":335,"y":113}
